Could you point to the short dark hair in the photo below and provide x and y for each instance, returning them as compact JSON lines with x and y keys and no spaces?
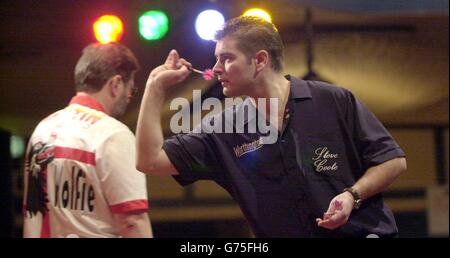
{"x":254,"y":34}
{"x":99,"y":62}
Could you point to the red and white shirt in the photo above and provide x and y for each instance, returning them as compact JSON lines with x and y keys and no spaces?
{"x":80,"y":169}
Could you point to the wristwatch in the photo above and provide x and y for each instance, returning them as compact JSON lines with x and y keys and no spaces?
{"x":357,"y":199}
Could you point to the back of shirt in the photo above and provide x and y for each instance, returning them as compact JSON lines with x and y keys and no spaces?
{"x":79,"y":171}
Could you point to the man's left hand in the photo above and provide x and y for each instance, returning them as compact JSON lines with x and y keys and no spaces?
{"x":338,"y":212}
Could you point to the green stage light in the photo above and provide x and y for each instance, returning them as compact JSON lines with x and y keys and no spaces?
{"x":153,"y":25}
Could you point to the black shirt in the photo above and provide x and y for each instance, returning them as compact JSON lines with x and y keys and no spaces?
{"x":328,"y":140}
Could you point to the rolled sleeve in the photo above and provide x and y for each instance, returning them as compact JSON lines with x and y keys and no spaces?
{"x":375,"y":144}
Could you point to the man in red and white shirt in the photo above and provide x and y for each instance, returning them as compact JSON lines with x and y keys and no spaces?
{"x":80,"y":175}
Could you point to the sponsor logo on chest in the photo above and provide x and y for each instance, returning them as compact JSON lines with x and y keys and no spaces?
{"x":247,"y":147}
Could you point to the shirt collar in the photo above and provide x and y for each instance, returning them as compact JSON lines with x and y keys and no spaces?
{"x":87,"y":101}
{"x":299,"y":88}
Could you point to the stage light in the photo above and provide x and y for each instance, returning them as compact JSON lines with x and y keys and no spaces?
{"x":153,"y":25}
{"x":258,"y":13}
{"x":207,"y":23}
{"x":108,"y":28}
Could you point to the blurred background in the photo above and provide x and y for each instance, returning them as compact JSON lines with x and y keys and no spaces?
{"x":393,"y":55}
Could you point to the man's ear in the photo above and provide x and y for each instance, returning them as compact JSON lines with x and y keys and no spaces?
{"x":262,"y":59}
{"x":113,"y":85}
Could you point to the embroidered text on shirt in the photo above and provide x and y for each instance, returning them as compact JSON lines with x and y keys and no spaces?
{"x":247,"y":147}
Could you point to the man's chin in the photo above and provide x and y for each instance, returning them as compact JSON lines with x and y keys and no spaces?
{"x":228,"y":93}
{"x":225,"y":92}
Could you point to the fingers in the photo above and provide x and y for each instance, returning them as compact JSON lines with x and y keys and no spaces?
{"x":334,"y":217}
{"x":173,"y":61}
{"x":182,"y":73}
{"x":332,"y":221}
{"x":328,"y":215}
{"x":184,"y":68}
{"x":330,"y":212}
{"x":173,"y":71}
{"x":183,"y":62}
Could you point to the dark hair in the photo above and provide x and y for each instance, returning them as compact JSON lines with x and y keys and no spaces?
{"x":99,"y":62}
{"x":254,"y":34}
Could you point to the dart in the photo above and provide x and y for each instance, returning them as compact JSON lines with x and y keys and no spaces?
{"x":208,"y":74}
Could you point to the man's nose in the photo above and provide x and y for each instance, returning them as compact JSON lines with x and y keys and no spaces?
{"x":217,"y":69}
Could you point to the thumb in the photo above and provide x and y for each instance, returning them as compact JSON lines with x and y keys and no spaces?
{"x":172,"y":58}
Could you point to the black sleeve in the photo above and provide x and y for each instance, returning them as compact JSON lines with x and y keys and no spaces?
{"x":193,"y":156}
{"x":375,"y":144}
